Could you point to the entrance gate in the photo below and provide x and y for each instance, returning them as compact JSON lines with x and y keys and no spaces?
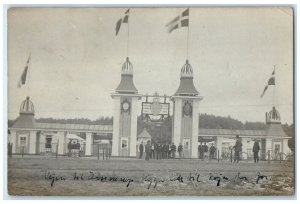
{"x":185,"y":113}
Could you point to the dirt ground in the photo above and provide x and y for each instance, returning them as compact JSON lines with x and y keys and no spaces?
{"x":36,"y":176}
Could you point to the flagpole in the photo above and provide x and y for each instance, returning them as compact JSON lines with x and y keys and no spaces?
{"x":127,"y":48}
{"x":274,"y":88}
{"x":29,"y":71}
{"x":187,"y":40}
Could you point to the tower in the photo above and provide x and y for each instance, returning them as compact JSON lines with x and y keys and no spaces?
{"x":125,"y":114}
{"x":186,"y":115}
{"x":276,"y":138}
{"x":23,"y":131}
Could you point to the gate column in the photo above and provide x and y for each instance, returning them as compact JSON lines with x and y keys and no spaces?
{"x":88,"y":143}
{"x":186,"y":113}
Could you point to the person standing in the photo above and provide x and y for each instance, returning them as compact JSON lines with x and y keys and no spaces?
{"x":205,"y":149}
{"x":255,"y":150}
{"x":237,"y":149}
{"x":159,"y":148}
{"x":180,"y":150}
{"x":148,"y":150}
{"x":201,"y":151}
{"x":169,"y":150}
{"x":173,"y":150}
{"x":69,"y":148}
{"x":141,"y":148}
{"x":152,"y":151}
{"x":212,"y":151}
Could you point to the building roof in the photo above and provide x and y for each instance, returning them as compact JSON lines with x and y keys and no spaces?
{"x":67,"y":127}
{"x":275,"y":130}
{"x":229,"y":132}
{"x":272,"y":130}
{"x":25,"y":121}
{"x":144,"y":134}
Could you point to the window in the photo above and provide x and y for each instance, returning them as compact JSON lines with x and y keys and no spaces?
{"x":124,"y":143}
{"x":48,"y":141}
{"x":22,"y":141}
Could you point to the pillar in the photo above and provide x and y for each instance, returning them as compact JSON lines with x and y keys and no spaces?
{"x":244,"y":147}
{"x":61,"y":143}
{"x":219,"y":142}
{"x":13,"y":140}
{"x":285,"y":148}
{"x":268,"y":147}
{"x":88,"y":143}
{"x":177,"y":121}
{"x":116,"y":128}
{"x":195,"y":130}
{"x":32,"y":142}
{"x":133,"y":127}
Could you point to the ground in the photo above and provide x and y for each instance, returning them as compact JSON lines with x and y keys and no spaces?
{"x":36,"y":175}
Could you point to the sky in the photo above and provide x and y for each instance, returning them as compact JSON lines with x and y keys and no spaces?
{"x":76,"y":59}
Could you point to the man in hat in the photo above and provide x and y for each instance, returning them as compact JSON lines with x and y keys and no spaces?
{"x":180,"y":148}
{"x":255,"y":150}
{"x":212,"y":151}
{"x":148,"y":150}
{"x":141,"y":148}
{"x":237,"y":149}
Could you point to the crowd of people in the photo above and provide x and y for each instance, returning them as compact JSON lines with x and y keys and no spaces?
{"x":159,"y":150}
{"x":168,"y":150}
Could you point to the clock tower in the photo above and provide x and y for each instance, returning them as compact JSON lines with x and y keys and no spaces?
{"x":186,"y":113}
{"x":125,"y":114}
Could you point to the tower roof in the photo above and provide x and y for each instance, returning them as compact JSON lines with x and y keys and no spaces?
{"x":126,"y":85}
{"x":273,"y":116}
{"x":27,"y":106}
{"x":26,"y":118}
{"x":186,"y":86}
{"x":273,"y":122}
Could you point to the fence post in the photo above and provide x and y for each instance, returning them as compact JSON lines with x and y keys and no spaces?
{"x":103,"y":153}
{"x":230,"y":155}
{"x":98,"y":151}
{"x":56,"y":149}
{"x":218,"y":156}
{"x":22,"y":151}
{"x":269,"y":156}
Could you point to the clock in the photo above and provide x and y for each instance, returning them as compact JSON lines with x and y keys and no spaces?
{"x":125,"y":106}
{"x":187,"y":109}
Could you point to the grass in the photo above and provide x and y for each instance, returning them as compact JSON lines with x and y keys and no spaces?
{"x":26,"y":176}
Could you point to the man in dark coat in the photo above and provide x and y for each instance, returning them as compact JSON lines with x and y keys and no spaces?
{"x":201,"y":151}
{"x":212,"y":151}
{"x":141,"y":148}
{"x":205,"y":149}
{"x":148,"y":150}
{"x":159,"y":149}
{"x":173,"y":150}
{"x":237,"y":149}
{"x":180,"y":150}
{"x":255,"y":150}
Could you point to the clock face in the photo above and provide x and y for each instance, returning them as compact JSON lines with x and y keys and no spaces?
{"x":125,"y":106}
{"x":187,"y":109}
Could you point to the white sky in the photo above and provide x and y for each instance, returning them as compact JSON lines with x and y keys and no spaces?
{"x":75,"y":53}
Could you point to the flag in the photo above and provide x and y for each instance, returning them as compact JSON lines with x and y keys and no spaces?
{"x":22,"y":80}
{"x":271,"y":81}
{"x":122,"y":20}
{"x":179,"y":21}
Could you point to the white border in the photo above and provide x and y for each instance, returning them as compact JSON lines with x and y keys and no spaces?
{"x":119,"y":3}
